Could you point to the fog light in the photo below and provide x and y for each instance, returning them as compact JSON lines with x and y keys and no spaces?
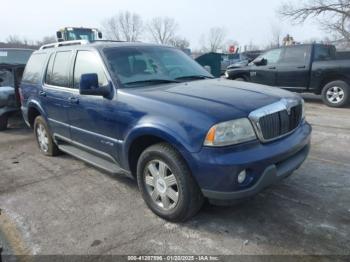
{"x":242,"y":176}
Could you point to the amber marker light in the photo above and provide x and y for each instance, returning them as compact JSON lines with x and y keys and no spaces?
{"x":209,"y":140}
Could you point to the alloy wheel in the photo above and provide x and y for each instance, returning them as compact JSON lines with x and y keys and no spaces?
{"x":42,"y":138}
{"x":161,"y":184}
{"x":335,"y":94}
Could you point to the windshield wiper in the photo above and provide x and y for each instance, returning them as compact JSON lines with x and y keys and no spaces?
{"x":152,"y":81}
{"x":194,"y":77}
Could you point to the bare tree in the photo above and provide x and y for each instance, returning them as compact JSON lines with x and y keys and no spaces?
{"x":124,"y":26}
{"x":215,"y":40}
{"x":276,"y":32}
{"x":162,"y":30}
{"x":46,"y":40}
{"x":16,"y":40}
{"x":333,"y":15}
{"x":179,"y":42}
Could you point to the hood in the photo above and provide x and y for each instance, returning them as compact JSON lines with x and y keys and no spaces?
{"x":217,"y":97}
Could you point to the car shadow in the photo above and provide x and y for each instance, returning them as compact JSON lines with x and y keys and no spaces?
{"x":311,"y":98}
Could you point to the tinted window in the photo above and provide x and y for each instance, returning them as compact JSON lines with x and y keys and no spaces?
{"x":294,"y":55}
{"x":322,"y":53}
{"x":13,"y":56}
{"x":88,"y":63}
{"x":34,"y":68}
{"x":60,"y":69}
{"x":48,"y":75}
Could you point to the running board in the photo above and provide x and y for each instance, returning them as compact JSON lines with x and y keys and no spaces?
{"x":92,"y":159}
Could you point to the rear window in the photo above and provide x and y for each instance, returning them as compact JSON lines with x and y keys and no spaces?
{"x":60,"y":69}
{"x":323,"y":53}
{"x":13,"y":56}
{"x":34,"y":68}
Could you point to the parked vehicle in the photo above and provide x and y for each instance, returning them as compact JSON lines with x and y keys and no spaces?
{"x":12,"y":62}
{"x":313,"y":68}
{"x":154,"y":113}
{"x":243,"y":59}
{"x":78,"y":33}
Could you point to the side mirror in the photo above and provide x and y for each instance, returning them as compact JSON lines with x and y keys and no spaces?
{"x":59,"y":36}
{"x":99,"y":35}
{"x":260,"y":61}
{"x":89,"y":86}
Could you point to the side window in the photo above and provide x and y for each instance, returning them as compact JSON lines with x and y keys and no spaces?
{"x":294,"y":55}
{"x":322,"y":53}
{"x":34,"y":69}
{"x":88,"y":62}
{"x":48,"y":75}
{"x":273,"y":56}
{"x":60,"y":69}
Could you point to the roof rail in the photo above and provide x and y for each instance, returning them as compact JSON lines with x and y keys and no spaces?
{"x":64,"y":43}
{"x":104,"y":40}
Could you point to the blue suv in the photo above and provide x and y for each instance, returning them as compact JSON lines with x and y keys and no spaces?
{"x":152,"y":112}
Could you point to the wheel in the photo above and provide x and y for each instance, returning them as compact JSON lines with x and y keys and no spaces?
{"x":46,"y":144}
{"x":240,"y":79}
{"x":3,"y":122}
{"x":166,"y":184}
{"x":336,"y":94}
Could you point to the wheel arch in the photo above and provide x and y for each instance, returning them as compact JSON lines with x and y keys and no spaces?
{"x":34,"y":110}
{"x":330,"y":78}
{"x":143,"y":137}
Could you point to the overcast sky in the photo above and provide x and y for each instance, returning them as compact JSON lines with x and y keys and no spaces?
{"x":245,"y":20}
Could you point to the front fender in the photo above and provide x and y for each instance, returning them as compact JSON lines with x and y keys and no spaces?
{"x":170,"y":131}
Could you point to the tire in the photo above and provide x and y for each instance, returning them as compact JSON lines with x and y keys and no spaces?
{"x":3,"y":122}
{"x":178,"y":182}
{"x":336,"y":94}
{"x":43,"y":137}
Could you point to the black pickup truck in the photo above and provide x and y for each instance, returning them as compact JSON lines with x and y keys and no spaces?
{"x":313,"y":68}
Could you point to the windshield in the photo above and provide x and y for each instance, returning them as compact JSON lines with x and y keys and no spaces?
{"x":8,"y":56}
{"x":133,"y":65}
{"x":81,"y":34}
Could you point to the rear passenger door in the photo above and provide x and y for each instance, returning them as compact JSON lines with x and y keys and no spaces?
{"x":57,"y":92}
{"x":293,"y":70}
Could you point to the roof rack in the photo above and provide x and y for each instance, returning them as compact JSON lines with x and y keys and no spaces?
{"x":65,"y":43}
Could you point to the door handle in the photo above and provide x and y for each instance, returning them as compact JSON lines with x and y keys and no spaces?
{"x":301,"y":67}
{"x":42,"y":93}
{"x":73,"y":100}
{"x":272,"y":67}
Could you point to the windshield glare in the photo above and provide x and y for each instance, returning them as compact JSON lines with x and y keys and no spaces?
{"x":133,"y":65}
{"x":14,"y":56}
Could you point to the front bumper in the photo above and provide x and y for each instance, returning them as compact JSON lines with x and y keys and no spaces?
{"x":216,"y":169}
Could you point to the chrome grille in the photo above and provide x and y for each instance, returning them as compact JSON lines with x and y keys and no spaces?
{"x":280,"y":123}
{"x":277,"y":120}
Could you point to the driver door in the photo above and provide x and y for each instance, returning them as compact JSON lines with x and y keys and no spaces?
{"x":266,"y":72}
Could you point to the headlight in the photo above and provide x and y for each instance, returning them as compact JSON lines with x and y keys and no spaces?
{"x":230,"y":133}
{"x":226,"y":74}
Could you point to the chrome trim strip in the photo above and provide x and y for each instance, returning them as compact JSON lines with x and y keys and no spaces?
{"x":96,"y":134}
{"x":88,"y":132}
{"x":285,"y":104}
{"x":58,"y":122}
